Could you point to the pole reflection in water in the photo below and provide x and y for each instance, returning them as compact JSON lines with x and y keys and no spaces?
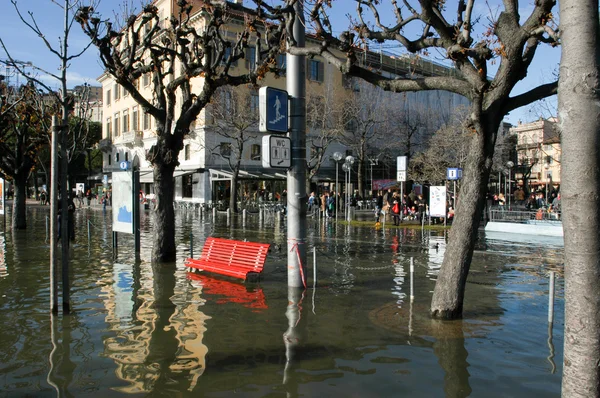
{"x":3,"y":266}
{"x":157,"y":342}
{"x":293,"y":338}
{"x":60,"y":374}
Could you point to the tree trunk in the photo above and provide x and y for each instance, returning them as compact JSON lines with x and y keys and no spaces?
{"x":578,"y":100}
{"x":447,"y":301}
{"x":233,"y":191}
{"x":360,"y":176}
{"x":19,"y":214}
{"x":164,"y":249}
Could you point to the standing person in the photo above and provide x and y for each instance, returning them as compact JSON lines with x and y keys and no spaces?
{"x":43,"y":198}
{"x":88,"y":196}
{"x":421,"y":207}
{"x":331,"y":205}
{"x":311,"y":202}
{"x":396,"y":210}
{"x":378,"y":206}
{"x":80,"y":197}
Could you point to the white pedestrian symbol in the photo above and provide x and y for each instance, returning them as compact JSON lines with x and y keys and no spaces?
{"x":278,"y":115}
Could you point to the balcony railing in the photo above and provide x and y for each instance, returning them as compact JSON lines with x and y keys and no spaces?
{"x":133,"y":137}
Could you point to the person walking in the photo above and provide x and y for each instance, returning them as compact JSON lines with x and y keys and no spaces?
{"x":88,"y":196}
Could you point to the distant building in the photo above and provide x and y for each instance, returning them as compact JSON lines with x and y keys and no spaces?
{"x":538,"y":153}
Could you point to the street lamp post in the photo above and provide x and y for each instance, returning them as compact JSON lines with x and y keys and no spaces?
{"x":337,"y":156}
{"x":346,"y":168}
{"x":546,"y":166}
{"x":509,"y":165}
{"x":349,"y":162}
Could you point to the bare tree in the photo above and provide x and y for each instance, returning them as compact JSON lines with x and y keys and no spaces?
{"x":175,"y":54}
{"x":325,"y":124}
{"x":578,"y":100}
{"x":23,"y":134}
{"x":235,"y":113}
{"x":448,"y":147}
{"x":507,"y":41}
{"x":61,"y":52}
{"x":365,"y":115}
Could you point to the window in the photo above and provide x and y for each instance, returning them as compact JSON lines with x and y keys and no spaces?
{"x":254,"y":103}
{"x":226,"y":55}
{"x":109,"y":160}
{"x":127,"y":156}
{"x":146,"y":125}
{"x":186,"y":151}
{"x":108,"y":129}
{"x":282,"y":64}
{"x":251,"y":58}
{"x":187,"y":182}
{"x":225,"y":149}
{"x":255,"y":152}
{"x":316,"y":70}
{"x":108,"y":92}
{"x":135,"y":119}
{"x":117,"y":132}
{"x":116,"y":91}
{"x":227,"y":101}
{"x":117,"y":157}
{"x":125,"y":120}
{"x":549,"y":159}
{"x":146,"y":79}
{"x":348,"y":152}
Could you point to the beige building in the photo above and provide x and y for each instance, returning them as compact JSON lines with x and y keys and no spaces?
{"x":538,"y":153}
{"x":204,"y":172}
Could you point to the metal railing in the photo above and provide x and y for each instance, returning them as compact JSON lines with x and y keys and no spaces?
{"x":541,"y":215}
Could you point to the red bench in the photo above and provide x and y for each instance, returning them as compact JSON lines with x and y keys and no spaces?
{"x":231,"y":257}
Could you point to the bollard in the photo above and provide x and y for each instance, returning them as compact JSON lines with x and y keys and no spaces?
{"x":214,"y":213}
{"x":244,"y":215}
{"x":551,"y":299}
{"x":314,"y":266}
{"x":89,"y":232}
{"x":191,"y":245}
{"x":260,"y":216}
{"x":412,"y":272}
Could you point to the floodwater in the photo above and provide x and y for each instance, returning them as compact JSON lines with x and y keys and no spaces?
{"x":149,"y":330}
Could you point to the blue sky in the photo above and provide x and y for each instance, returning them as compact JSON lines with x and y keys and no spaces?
{"x":24,"y":45}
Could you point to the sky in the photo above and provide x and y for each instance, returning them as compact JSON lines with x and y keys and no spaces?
{"x":24,"y":45}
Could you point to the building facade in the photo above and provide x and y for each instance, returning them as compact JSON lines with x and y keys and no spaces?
{"x":205,"y":173}
{"x":538,"y":153}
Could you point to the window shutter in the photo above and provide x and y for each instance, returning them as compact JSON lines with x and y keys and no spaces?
{"x":321,"y":74}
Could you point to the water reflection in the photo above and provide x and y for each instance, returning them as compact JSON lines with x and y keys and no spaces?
{"x":155,"y":341}
{"x":3,"y":266}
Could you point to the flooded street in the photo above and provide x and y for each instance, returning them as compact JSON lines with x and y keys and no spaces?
{"x":138,"y":328}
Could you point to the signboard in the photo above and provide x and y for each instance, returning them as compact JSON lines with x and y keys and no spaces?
{"x":79,"y":187}
{"x":124,"y":165}
{"x":276,"y":152}
{"x":401,"y":163}
{"x":437,"y":201}
{"x":1,"y":196}
{"x":122,"y":201}
{"x":401,"y":175}
{"x":453,"y":173}
{"x":385,"y":184}
{"x":273,"y":110}
{"x":105,"y":179}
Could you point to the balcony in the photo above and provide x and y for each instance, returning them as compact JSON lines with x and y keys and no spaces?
{"x":133,"y":138}
{"x":105,"y":145}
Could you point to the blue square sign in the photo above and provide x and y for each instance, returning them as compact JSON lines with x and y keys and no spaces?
{"x":453,"y":173}
{"x":273,"y":104}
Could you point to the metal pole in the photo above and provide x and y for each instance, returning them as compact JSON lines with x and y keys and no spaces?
{"x":54,"y":218}
{"x":89,"y":232}
{"x":551,"y":299}
{"x":136,"y":207}
{"x":314,"y":266}
{"x":191,"y":245}
{"x":336,"y":189}
{"x":296,"y":176}
{"x":412,"y":273}
{"x":64,"y":226}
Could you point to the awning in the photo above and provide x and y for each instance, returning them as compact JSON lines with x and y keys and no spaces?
{"x":227,"y":175}
{"x":147,"y":176}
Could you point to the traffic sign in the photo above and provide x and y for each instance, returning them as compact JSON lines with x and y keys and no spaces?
{"x":276,"y":152}
{"x":401,"y":175}
{"x":453,"y":173}
{"x":273,"y":110}
{"x":124,"y":165}
{"x":401,"y":163}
